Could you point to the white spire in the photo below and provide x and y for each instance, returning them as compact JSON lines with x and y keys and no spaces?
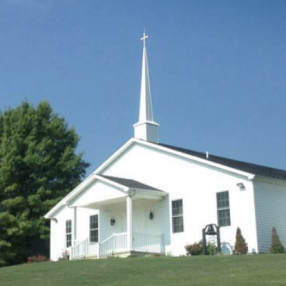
{"x":146,"y":110}
{"x":146,"y":129}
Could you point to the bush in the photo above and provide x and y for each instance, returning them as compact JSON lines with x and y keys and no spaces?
{"x":2,"y":262}
{"x":65,"y":255}
{"x":240,"y":246}
{"x":35,"y":259}
{"x":276,"y":246}
{"x":195,"y":248}
{"x":211,"y":248}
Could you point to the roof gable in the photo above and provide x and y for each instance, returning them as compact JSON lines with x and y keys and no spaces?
{"x":168,"y":149}
{"x":248,"y":169}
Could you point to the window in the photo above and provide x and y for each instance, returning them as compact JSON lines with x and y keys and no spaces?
{"x":93,"y":228}
{"x":223,"y":212}
{"x":177,"y":216}
{"x":68,"y":233}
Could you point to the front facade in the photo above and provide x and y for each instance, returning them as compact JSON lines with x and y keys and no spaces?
{"x":154,"y":198}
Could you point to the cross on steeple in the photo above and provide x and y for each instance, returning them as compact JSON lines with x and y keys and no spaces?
{"x":144,"y":38}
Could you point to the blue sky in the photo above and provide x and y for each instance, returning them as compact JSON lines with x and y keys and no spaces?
{"x":217,"y":71}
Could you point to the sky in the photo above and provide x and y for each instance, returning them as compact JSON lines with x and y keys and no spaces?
{"x":217,"y":71}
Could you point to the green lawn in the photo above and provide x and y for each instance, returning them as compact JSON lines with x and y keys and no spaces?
{"x":159,"y":271}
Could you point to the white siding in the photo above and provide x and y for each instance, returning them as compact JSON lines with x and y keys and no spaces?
{"x":270,"y":202}
{"x":159,"y":224}
{"x":141,"y":222}
{"x":58,"y":233}
{"x":116,"y":211}
{"x":197,"y":184}
{"x":80,"y":229}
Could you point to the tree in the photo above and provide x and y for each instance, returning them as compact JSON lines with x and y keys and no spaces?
{"x":240,"y":246}
{"x":38,"y":166}
{"x":276,"y":246}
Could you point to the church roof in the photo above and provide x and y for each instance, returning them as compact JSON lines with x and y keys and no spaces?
{"x":239,"y":165}
{"x":130,"y":183}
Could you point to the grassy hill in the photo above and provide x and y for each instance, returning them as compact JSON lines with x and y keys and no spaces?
{"x":149,"y":271}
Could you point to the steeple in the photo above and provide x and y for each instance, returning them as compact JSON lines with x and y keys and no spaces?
{"x":146,"y":128}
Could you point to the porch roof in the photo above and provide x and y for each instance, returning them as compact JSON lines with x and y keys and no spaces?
{"x":132,"y":184}
{"x":117,"y":191}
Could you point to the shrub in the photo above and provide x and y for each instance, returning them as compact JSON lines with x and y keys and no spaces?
{"x":276,"y":246}
{"x":240,"y":246}
{"x":2,"y":262}
{"x":65,"y":255}
{"x":211,"y":248}
{"x":37,"y":258}
{"x":195,"y":248}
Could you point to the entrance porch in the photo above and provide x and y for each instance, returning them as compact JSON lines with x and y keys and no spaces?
{"x":133,"y":219}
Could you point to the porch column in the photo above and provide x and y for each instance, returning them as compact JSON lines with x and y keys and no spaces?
{"x":129,"y":222}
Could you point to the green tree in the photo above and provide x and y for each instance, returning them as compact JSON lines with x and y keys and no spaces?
{"x":38,"y":166}
{"x":276,"y":245}
{"x":240,"y":246}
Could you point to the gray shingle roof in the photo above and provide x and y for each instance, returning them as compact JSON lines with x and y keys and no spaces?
{"x":238,"y":165}
{"x":130,"y":183}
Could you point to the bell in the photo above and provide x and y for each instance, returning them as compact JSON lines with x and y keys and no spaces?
{"x":210,"y":230}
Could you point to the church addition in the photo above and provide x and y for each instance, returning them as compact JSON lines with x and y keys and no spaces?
{"x":150,"y":197}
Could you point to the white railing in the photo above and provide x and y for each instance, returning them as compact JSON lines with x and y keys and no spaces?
{"x":80,"y":249}
{"x":84,"y":249}
{"x":148,"y":243}
{"x":115,"y":243}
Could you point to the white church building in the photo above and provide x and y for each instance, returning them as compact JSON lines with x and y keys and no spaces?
{"x":149,"y":197}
